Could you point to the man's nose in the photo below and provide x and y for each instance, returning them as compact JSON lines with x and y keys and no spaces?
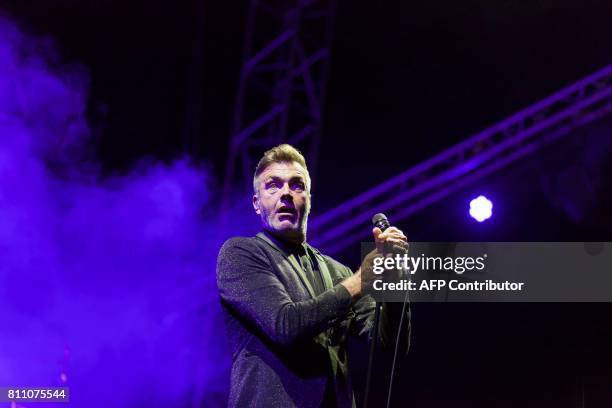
{"x":286,"y":192}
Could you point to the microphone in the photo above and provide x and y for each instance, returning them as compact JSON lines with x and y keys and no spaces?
{"x":380,"y":220}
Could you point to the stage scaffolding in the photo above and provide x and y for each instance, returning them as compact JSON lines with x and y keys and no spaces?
{"x":460,"y":165}
{"x":282,"y":85}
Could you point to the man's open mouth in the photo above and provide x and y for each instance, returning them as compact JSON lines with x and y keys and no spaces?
{"x":288,"y":211}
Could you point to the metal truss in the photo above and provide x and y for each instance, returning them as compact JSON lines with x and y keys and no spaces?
{"x":466,"y":162}
{"x":282,"y":84}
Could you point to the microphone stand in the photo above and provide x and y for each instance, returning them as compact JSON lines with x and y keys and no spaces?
{"x":380,"y":221}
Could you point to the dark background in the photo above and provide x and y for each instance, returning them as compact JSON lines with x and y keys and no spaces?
{"x":408,"y":78}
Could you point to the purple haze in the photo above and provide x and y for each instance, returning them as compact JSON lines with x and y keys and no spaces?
{"x":106,"y":284}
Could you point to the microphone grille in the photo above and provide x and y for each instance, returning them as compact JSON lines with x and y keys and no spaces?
{"x":378,"y":218}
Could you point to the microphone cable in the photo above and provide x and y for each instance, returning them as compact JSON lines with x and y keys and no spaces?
{"x":397,"y":340}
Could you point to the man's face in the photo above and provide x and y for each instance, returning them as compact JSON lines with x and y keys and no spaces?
{"x":283,"y":200}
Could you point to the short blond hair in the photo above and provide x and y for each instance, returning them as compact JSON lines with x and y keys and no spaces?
{"x":283,"y":153}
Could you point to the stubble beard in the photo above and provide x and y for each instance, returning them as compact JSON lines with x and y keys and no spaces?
{"x":297,"y":234}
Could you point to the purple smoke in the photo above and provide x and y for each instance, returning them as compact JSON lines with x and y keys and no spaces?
{"x":106,"y":283}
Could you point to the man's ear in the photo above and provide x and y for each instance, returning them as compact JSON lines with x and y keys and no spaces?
{"x":256,"y":204}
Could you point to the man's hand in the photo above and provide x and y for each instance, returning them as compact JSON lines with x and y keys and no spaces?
{"x":390,"y":242}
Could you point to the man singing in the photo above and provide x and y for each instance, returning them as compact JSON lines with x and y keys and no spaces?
{"x":288,"y":307}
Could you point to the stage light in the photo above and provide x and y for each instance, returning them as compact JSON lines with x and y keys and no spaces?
{"x":481,"y":208}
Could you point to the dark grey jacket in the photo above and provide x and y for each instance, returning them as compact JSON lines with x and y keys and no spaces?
{"x":288,"y":344}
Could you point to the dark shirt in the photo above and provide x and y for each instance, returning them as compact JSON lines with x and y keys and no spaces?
{"x":306,"y":259}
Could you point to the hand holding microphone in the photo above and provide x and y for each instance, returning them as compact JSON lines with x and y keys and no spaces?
{"x":389,"y":240}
